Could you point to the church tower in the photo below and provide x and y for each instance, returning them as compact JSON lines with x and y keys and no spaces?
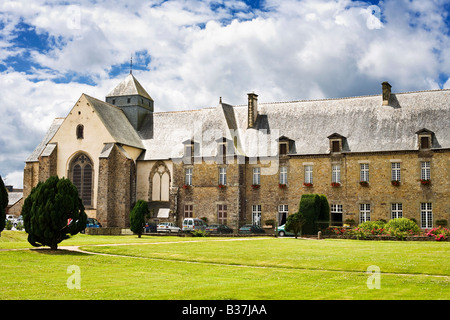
{"x":132,"y":98}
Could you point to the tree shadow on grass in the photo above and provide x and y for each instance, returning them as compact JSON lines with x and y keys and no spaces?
{"x":59,"y":252}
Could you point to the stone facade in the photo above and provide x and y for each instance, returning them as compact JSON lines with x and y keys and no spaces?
{"x":198,"y":164}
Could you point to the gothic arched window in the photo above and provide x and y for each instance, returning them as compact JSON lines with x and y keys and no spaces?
{"x":81,"y":176}
{"x":160,"y":182}
{"x":80,"y":131}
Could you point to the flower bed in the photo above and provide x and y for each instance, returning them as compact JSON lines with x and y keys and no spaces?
{"x":370,"y":231}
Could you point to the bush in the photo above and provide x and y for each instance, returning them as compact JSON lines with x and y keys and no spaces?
{"x":402,"y":227}
{"x":199,"y":233}
{"x":373,"y":227}
{"x":439,"y":233}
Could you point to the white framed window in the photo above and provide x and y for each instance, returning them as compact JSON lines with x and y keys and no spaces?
{"x":188,"y":176}
{"x":257,"y":175}
{"x":256,"y":214}
{"x":336,"y":173}
{"x":426,"y":215}
{"x":425,"y":170}
{"x":336,"y":214}
{"x":308,"y":174}
{"x":364,"y":212}
{"x":364,"y":172}
{"x":395,"y":171}
{"x":396,"y":210}
{"x":283,"y":175}
{"x":282,"y":214}
{"x":223,"y":175}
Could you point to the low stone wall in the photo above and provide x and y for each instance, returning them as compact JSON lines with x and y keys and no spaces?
{"x":108,"y":231}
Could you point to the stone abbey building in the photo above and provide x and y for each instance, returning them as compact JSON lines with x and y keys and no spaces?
{"x":374,"y":157}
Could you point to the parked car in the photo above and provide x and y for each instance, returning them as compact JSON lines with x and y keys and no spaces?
{"x":150,"y":227}
{"x":251,"y":228}
{"x":167,"y":227}
{"x":191,"y":224}
{"x":218,"y":228}
{"x":282,"y":232}
{"x":17,"y":221}
{"x":92,"y":223}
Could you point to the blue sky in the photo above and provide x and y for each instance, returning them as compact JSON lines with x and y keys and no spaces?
{"x":188,"y":53}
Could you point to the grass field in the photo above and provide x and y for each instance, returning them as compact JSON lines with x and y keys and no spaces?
{"x":173,"y":268}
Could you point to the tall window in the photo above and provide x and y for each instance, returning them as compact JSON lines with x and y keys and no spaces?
{"x":309,"y":174}
{"x":81,"y":176}
{"x":256,"y":175}
{"x":222,"y":213}
{"x":396,"y":210}
{"x":282,"y":214}
{"x":395,"y":171}
{"x":80,"y":131}
{"x":364,"y":212}
{"x":283,"y":175}
{"x":426,"y":215}
{"x":364,"y":172}
{"x":336,"y":173}
{"x":336,"y":214}
{"x":188,"y":210}
{"x":256,"y":214}
{"x":223,"y":175}
{"x":425,"y":170}
{"x":188,"y":176}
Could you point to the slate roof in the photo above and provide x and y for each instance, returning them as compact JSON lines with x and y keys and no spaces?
{"x":364,"y":122}
{"x":34,"y":156}
{"x":366,"y":125}
{"x":128,"y":87}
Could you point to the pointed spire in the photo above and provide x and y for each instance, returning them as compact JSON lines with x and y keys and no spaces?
{"x":131,"y":64}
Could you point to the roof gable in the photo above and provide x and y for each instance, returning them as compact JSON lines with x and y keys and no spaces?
{"x":129,"y":87}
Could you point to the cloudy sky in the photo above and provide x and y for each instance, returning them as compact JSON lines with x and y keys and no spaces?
{"x":188,"y":53}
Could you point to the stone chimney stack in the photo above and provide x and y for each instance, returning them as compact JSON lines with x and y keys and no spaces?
{"x":252,"y":109}
{"x":386,"y":92}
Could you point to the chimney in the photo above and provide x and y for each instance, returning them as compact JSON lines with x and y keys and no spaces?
{"x":252,"y":109}
{"x":386,"y":92}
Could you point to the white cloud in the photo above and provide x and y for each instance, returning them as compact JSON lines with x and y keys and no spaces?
{"x":198,"y":51}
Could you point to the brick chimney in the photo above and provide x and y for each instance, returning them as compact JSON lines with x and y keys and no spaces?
{"x":252,"y":109}
{"x":386,"y":92}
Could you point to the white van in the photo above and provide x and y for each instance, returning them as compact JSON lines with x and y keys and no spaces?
{"x":190,"y":224}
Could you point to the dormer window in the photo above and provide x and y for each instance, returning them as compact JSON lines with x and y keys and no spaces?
{"x":424,"y":139}
{"x":80,"y":131}
{"x":188,"y":151}
{"x":336,"y":142}
{"x":284,"y":144}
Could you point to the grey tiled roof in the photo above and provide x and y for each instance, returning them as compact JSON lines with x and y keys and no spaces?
{"x":128,"y":87}
{"x":34,"y":156}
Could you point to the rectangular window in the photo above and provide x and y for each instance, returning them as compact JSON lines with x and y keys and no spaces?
{"x":336,"y":214}
{"x":364,"y":212}
{"x":395,"y":171}
{"x":336,"y":173}
{"x":309,"y":174}
{"x":425,"y":170}
{"x":282,"y":214}
{"x":426,"y":215}
{"x":396,"y":210}
{"x":364,"y":172}
{"x":283,"y":175}
{"x":222,"y":213}
{"x":223,"y":175}
{"x":256,"y":214}
{"x":188,"y":210}
{"x":335,"y":146}
{"x":188,"y":177}
{"x":256,"y":175}
{"x":424,"y":142}
{"x":283,"y":148}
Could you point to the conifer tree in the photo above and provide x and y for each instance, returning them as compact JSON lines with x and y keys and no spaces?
{"x":3,"y":204}
{"x":53,"y":212}
{"x":137,"y":217}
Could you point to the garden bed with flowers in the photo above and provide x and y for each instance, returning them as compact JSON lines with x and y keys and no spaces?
{"x":396,"y":229}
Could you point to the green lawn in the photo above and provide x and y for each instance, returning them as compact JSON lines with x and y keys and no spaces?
{"x":205,"y":268}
